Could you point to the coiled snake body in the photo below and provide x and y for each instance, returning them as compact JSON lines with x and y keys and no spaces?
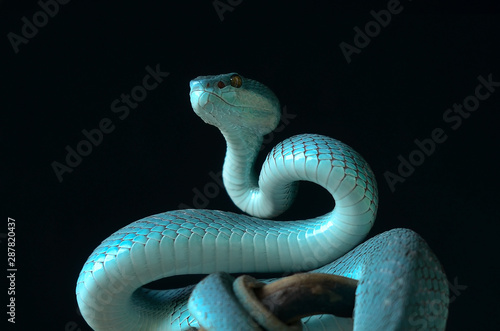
{"x":401,"y":283}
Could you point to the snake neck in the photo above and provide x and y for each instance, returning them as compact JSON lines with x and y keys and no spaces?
{"x":238,"y":173}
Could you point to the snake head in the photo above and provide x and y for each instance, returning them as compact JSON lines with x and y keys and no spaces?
{"x":232,"y":102}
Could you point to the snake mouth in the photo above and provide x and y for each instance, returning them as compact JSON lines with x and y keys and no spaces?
{"x":197,"y":88}
{"x":201,"y":91}
{"x":203,"y":107}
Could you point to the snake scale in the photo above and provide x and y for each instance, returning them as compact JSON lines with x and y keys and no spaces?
{"x":401,"y":286}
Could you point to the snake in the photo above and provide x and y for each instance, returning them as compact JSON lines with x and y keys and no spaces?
{"x":402,"y":285}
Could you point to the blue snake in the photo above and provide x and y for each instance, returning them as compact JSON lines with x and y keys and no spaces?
{"x":401,"y":286}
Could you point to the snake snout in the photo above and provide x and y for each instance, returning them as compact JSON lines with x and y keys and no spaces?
{"x":195,"y":85}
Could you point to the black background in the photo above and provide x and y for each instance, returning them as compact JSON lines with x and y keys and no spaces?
{"x":394,"y":91}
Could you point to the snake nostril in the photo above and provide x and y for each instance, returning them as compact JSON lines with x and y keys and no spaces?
{"x":208,"y":84}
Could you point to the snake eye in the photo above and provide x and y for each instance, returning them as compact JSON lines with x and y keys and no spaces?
{"x":221,"y":84}
{"x":236,"y":81}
